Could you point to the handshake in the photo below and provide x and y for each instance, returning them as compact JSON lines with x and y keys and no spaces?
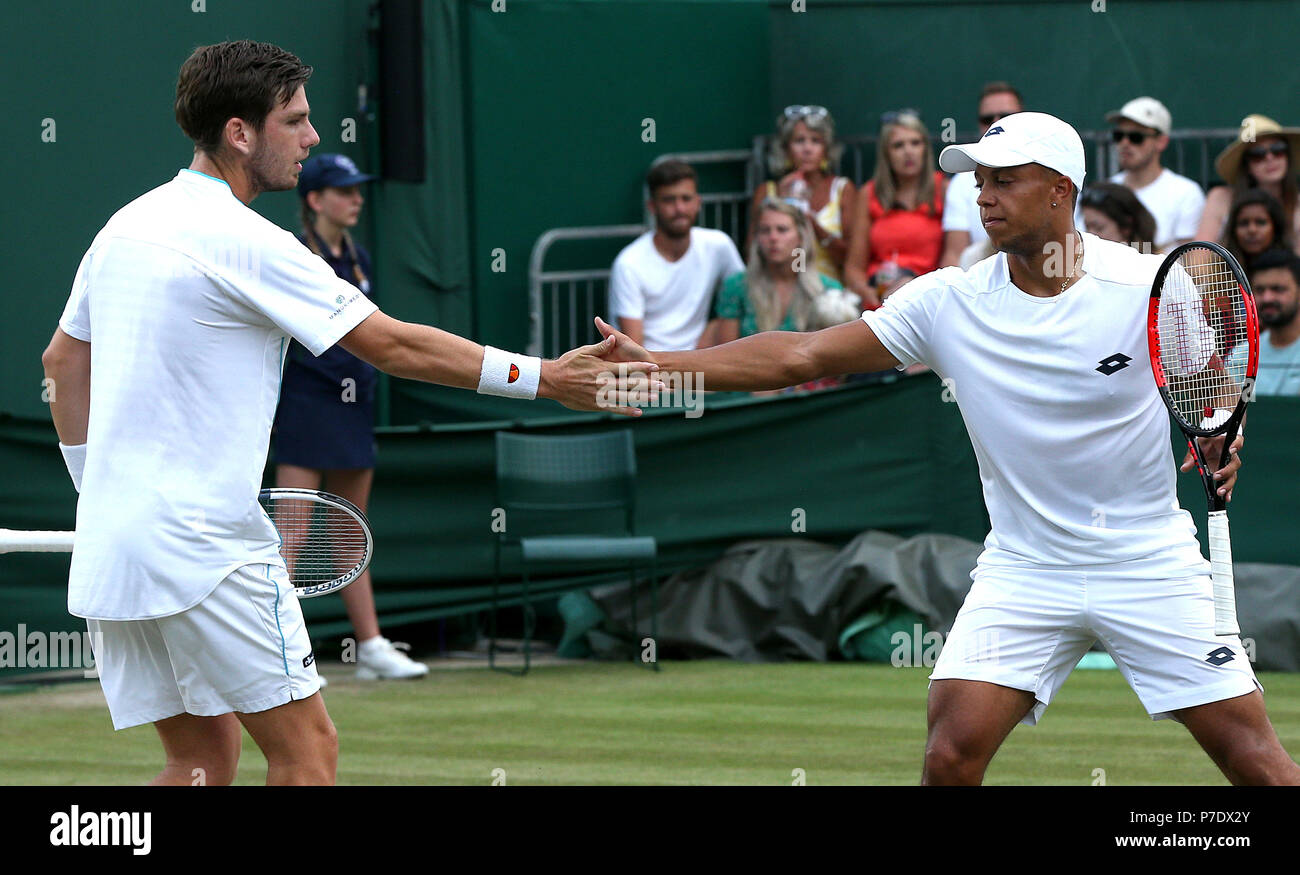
{"x":612,"y":376}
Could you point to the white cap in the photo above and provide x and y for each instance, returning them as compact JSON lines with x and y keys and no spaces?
{"x":1022,"y":138}
{"x":1145,"y":111}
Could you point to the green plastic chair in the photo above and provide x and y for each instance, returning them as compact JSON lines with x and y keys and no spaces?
{"x":569,"y":499}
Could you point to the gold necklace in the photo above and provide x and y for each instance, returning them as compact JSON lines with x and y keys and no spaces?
{"x":1077,"y":261}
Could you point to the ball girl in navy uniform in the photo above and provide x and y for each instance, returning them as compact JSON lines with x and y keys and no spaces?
{"x":324,"y":436}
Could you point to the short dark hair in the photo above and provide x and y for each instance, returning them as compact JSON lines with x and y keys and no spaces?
{"x":1124,"y":209}
{"x":1272,"y":259}
{"x":240,"y":79}
{"x":1277,"y":217}
{"x":667,"y":173}
{"x":1000,"y":87}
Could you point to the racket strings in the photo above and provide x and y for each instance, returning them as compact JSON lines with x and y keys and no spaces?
{"x":1202,"y":320}
{"x":319,"y":542}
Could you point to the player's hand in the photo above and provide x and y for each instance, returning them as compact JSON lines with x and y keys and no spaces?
{"x":582,"y":378}
{"x":625,"y":349}
{"x":1212,"y":447}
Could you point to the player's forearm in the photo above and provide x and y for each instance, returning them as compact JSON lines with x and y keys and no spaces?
{"x":422,"y":352}
{"x":67,"y":375}
{"x":768,"y":360}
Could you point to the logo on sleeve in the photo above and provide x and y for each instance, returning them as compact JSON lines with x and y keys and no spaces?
{"x":1112,"y":363}
{"x":308,"y":659}
{"x":1219,"y":656}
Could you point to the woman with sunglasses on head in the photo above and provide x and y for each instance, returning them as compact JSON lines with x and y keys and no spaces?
{"x":1113,"y":212}
{"x":1256,"y":224}
{"x":898,"y":228}
{"x":1263,"y":157}
{"x":803,"y":155}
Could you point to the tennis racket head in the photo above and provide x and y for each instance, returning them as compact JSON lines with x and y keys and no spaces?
{"x":1203,"y":336}
{"x":325,"y":540}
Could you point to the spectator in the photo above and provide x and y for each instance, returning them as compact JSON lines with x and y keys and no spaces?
{"x":324,"y":434}
{"x":897,"y":232}
{"x":803,"y":155}
{"x":662,"y":284}
{"x":1114,"y":212}
{"x":962,"y":227}
{"x":1275,"y":283}
{"x":773,"y":293}
{"x":1263,"y":157}
{"x":1141,"y":134}
{"x":1256,"y":224}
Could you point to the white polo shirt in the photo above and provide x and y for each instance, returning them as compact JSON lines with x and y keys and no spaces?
{"x":1071,"y":436}
{"x":1175,"y":202}
{"x":672,"y":297}
{"x":188,"y":299}
{"x":960,"y":212}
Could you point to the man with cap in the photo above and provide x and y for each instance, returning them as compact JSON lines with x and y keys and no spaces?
{"x":1043,"y":346}
{"x":324,"y":423}
{"x":1141,"y":133}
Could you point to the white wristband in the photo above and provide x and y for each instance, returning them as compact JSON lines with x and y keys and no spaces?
{"x":509,"y":375}
{"x":75,"y":459}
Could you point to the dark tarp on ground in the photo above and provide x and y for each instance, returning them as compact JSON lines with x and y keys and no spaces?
{"x":792,"y":599}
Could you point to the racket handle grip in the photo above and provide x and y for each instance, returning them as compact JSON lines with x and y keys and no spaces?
{"x":1225,"y":597}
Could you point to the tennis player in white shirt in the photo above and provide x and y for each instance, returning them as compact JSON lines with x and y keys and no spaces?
{"x":1044,"y":346}
{"x":167,"y":365}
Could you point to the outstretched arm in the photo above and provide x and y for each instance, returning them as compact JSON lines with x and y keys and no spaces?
{"x":580,"y":379}
{"x":770,"y":359}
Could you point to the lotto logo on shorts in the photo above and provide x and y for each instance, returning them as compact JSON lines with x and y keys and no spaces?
{"x":1219,"y":656}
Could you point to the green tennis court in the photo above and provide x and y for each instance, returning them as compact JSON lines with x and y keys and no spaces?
{"x":694,"y":723}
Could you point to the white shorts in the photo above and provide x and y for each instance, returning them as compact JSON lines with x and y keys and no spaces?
{"x":1027,"y":629}
{"x":243,"y":648}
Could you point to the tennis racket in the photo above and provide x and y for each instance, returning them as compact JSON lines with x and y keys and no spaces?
{"x":1204,"y":340}
{"x":325,"y":540}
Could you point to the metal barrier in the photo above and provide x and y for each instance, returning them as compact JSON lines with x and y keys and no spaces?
{"x":569,"y":297}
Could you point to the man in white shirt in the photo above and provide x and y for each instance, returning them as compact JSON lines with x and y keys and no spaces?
{"x":166,"y":367}
{"x":1044,"y":347}
{"x":662,"y":286}
{"x":1141,"y":134}
{"x":961,"y":217}
{"x":1275,"y":283}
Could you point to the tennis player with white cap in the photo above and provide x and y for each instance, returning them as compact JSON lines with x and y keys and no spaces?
{"x":167,"y":364}
{"x":1044,"y":347}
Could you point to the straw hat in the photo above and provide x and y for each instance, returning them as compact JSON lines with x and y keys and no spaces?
{"x":1253,"y":128}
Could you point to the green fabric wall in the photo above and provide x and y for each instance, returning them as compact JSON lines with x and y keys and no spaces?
{"x":106,"y":73}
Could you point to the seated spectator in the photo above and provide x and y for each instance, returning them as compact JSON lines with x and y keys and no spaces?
{"x":898,"y":230}
{"x":803,"y":154}
{"x":1256,"y":224}
{"x":663,"y":282}
{"x":1275,"y":284}
{"x":1141,"y":134}
{"x":1114,"y":212}
{"x":1263,"y":157}
{"x":773,"y":293}
{"x":962,"y":229}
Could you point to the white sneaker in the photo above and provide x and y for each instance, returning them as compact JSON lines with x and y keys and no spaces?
{"x":387,"y":662}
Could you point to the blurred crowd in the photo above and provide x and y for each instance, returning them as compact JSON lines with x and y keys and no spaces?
{"x":820,"y":249}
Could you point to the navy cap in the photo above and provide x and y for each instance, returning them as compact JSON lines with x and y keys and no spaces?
{"x":329,"y":171}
